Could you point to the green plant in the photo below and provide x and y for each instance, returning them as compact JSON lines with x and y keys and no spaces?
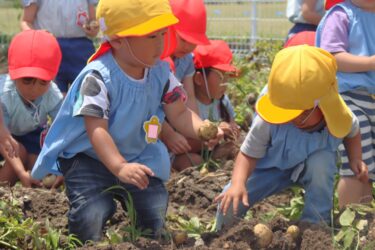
{"x":293,"y":210}
{"x":352,"y":222}
{"x":131,"y":230}
{"x":17,"y":232}
{"x":193,"y":226}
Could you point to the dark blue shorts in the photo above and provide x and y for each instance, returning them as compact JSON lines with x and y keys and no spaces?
{"x":75,"y":53}
{"x":31,"y":141}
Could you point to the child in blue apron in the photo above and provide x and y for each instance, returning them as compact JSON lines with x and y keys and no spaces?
{"x":300,"y":122}
{"x":106,"y":132}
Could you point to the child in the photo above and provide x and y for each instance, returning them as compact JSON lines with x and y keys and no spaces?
{"x":293,"y":140}
{"x":213,"y":64}
{"x":28,"y":97}
{"x":346,"y":32}
{"x":71,"y":21}
{"x":180,"y":42}
{"x":305,"y":14}
{"x":113,"y":114}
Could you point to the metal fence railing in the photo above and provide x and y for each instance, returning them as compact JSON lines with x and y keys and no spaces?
{"x":243,"y":22}
{"x":239,"y":22}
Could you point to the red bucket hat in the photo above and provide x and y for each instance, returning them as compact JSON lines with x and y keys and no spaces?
{"x":331,"y":3}
{"x":34,"y":53}
{"x":193,"y":20}
{"x":301,"y":38}
{"x":216,"y":55}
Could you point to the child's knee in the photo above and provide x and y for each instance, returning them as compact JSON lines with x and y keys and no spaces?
{"x":88,"y":219}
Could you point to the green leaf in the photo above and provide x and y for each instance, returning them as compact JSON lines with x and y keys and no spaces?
{"x":348,"y":239}
{"x":347,"y":217}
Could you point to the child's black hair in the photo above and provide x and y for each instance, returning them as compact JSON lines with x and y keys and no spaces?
{"x":224,"y":114}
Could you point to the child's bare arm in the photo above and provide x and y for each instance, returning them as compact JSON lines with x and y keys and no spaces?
{"x":185,"y":120}
{"x":243,"y":167}
{"x":354,"y":151}
{"x":28,"y":17}
{"x":309,"y":13}
{"x":92,"y":28}
{"x":108,"y":153}
{"x":175,"y":142}
{"x":349,"y":63}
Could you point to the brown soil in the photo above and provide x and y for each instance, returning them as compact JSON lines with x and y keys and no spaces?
{"x":195,"y":193}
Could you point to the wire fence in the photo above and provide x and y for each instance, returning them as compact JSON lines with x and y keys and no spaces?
{"x":243,"y":22}
{"x":240,"y":22}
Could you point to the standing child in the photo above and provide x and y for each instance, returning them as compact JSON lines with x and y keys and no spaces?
{"x":180,"y":42}
{"x":293,"y":140}
{"x":28,"y":97}
{"x":346,"y":32}
{"x":213,"y":65}
{"x":72,"y":22}
{"x":305,"y":14}
{"x":113,"y":114}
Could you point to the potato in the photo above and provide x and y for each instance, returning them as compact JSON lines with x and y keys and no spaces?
{"x":203,"y":171}
{"x":180,"y":237}
{"x":207,"y":131}
{"x":49,"y":180}
{"x":264,"y":235}
{"x":293,"y":231}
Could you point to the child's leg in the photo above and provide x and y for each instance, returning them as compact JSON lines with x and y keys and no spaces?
{"x":8,"y":175}
{"x":150,"y":205}
{"x":86,"y":180}
{"x":351,"y":190}
{"x":183,"y":161}
{"x":318,"y":181}
{"x":261,"y":184}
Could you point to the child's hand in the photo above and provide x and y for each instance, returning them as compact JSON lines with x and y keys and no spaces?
{"x":91,"y":28}
{"x":58,"y":182}
{"x":8,"y":144}
{"x":360,"y":169}
{"x":177,"y":143}
{"x":213,"y":142}
{"x":28,"y":181}
{"x":135,"y":174}
{"x":234,"y":194}
{"x":230,"y":130}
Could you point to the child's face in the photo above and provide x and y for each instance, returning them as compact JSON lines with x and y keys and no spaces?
{"x":183,"y":47}
{"x":308,"y":119}
{"x":140,"y":51}
{"x":216,"y":81}
{"x":365,"y":4}
{"x":31,"y":88}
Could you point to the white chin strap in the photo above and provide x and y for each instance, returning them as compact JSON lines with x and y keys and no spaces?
{"x":136,"y":58}
{"x":206,"y":83}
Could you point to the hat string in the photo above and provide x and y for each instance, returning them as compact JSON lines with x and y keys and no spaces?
{"x":136,"y":58}
{"x":206,"y":83}
{"x":36,"y":116}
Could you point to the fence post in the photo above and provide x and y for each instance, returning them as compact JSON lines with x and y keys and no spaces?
{"x":253,"y":26}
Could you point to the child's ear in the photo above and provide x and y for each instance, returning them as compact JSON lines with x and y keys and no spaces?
{"x":116,"y":44}
{"x":198,"y":78}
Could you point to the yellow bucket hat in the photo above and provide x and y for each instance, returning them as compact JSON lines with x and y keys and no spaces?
{"x":302,"y":77}
{"x":118,"y":18}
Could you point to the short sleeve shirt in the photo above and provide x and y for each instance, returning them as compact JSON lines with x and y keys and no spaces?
{"x":94,"y":101}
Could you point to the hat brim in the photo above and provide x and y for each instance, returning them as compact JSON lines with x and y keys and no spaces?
{"x":274,"y":114}
{"x":34,"y":72}
{"x":225,"y":67}
{"x":336,"y":113}
{"x":194,"y":38}
{"x":152,"y":25}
